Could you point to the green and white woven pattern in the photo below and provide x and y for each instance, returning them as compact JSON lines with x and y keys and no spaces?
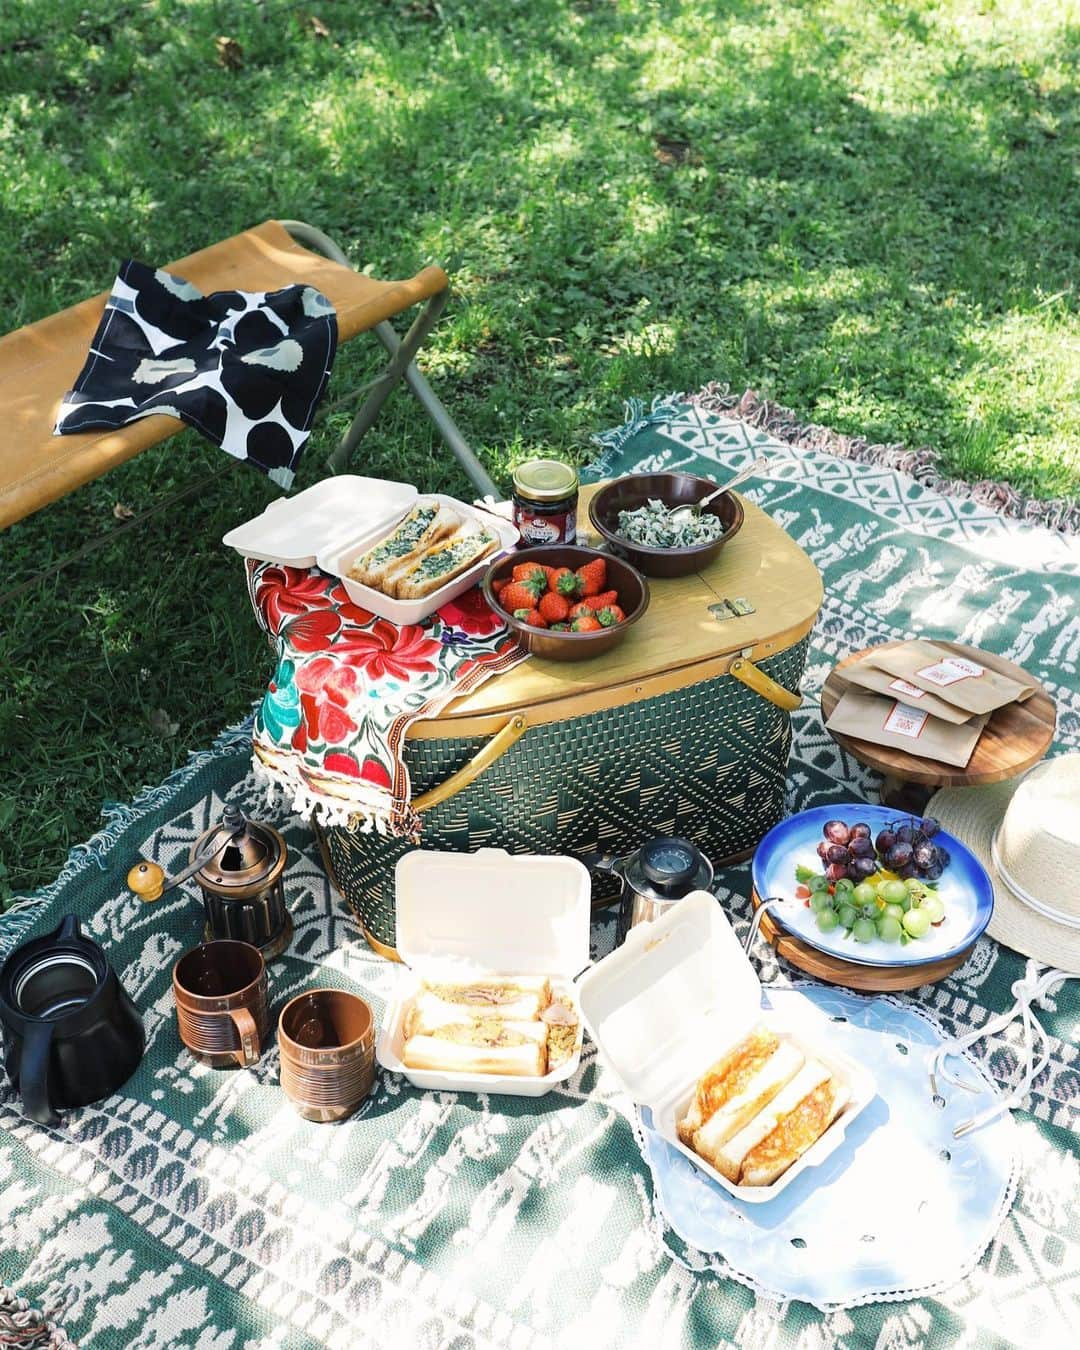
{"x":194,"y":1209}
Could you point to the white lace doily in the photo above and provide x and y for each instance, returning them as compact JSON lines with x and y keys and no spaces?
{"x":902,"y":1210}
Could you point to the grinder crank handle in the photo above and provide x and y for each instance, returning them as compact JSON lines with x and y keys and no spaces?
{"x":149,"y":882}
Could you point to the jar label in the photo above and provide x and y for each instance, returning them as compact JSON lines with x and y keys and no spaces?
{"x":559,"y":528}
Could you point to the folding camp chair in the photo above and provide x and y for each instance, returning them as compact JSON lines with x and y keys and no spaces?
{"x":39,"y":363}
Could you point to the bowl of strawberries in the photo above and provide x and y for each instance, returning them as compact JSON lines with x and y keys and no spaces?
{"x":566,"y":603}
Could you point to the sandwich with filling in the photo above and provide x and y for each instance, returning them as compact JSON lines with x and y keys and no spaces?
{"x":487,"y":1046}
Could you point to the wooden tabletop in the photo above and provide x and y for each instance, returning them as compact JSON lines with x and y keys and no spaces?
{"x":1016,"y":736}
{"x":761,"y":563}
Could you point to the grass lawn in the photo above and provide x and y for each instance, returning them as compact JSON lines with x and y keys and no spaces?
{"x":869,"y":212}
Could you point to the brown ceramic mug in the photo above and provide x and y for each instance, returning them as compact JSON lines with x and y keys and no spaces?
{"x":221,"y":1003}
{"x":326,"y":1038}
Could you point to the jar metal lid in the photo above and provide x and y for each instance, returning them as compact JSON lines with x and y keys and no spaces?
{"x":545,"y":480}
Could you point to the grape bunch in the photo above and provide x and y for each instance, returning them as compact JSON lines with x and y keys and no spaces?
{"x":905,"y":847}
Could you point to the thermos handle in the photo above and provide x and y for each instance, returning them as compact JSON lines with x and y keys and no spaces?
{"x":250,"y":1049}
{"x":34,"y":1073}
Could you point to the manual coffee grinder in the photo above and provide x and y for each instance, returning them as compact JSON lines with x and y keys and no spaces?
{"x":239,"y":865}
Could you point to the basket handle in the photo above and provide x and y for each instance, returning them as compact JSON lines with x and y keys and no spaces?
{"x":495,"y":748}
{"x":744,"y":669}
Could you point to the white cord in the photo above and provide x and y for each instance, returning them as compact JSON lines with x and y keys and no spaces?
{"x":1036,"y":1054}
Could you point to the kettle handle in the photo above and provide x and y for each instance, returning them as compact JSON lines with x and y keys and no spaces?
{"x":34,"y":1073}
{"x":603,"y":862}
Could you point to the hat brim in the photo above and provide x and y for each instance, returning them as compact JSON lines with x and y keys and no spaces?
{"x":973,"y":814}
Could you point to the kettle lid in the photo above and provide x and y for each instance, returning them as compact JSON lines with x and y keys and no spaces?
{"x":666,"y":867}
{"x":245,"y":852}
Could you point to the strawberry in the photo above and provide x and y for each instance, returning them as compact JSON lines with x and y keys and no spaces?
{"x":581,"y":610}
{"x":534,"y":618}
{"x":610,"y":615}
{"x":593,"y":576}
{"x":587,"y":623}
{"x":518,"y":595}
{"x":554,"y":607}
{"x":565,"y":582}
{"x":602,"y":600}
{"x":535,"y":574}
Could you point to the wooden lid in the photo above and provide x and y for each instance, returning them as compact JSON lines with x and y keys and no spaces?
{"x":678,"y":641}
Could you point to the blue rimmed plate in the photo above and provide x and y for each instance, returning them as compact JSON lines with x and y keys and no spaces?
{"x":964,"y":888}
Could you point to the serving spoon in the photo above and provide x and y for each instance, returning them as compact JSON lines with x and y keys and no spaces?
{"x":684,"y":515}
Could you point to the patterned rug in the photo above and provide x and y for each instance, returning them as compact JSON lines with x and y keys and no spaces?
{"x":195,"y":1209}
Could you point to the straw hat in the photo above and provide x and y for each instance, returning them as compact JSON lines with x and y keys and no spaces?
{"x":1026,"y":833}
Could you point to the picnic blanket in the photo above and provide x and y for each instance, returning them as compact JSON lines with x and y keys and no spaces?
{"x":195,"y":1209}
{"x":330,"y":731}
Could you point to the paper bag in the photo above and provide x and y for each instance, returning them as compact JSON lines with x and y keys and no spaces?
{"x":893,"y":687}
{"x":885,"y":721}
{"x":971,"y":685}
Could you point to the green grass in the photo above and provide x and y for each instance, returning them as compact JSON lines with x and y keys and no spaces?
{"x":869,"y":212}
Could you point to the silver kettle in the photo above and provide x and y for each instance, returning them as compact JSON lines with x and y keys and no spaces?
{"x":654,"y":877}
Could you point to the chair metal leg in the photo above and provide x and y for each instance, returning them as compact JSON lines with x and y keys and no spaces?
{"x":401,"y":366}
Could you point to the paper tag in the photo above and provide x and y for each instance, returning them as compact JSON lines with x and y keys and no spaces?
{"x":902,"y":687}
{"x":905,"y":721}
{"x":961,"y":663}
{"x":949,"y":672}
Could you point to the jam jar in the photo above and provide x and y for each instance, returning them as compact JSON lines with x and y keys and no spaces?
{"x":545,"y":502}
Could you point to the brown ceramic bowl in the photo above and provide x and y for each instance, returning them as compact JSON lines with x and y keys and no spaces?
{"x":633,"y":601}
{"x":673,"y":489}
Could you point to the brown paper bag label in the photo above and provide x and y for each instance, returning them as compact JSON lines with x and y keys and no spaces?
{"x":887,"y":721}
{"x":970,"y":685}
{"x":870,"y":677}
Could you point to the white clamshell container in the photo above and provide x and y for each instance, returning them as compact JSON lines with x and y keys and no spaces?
{"x":330,"y":524}
{"x":677,"y":995}
{"x":467,"y":916}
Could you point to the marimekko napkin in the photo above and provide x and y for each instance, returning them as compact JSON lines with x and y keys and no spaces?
{"x":245,"y":368}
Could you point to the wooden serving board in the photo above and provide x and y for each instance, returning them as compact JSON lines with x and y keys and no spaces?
{"x":1016,"y":736}
{"x":835,"y":970}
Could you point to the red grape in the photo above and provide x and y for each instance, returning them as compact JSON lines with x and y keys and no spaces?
{"x":860,"y":830}
{"x":835,"y":871}
{"x":836,"y":832}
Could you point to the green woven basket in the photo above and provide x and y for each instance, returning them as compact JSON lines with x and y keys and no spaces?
{"x":707,"y":762}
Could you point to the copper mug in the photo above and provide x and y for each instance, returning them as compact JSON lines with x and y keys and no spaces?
{"x":326,"y":1038}
{"x":221,"y":1002}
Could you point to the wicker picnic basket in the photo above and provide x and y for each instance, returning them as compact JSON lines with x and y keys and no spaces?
{"x":684,"y":729}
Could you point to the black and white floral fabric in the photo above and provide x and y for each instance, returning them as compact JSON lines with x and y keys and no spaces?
{"x":246,"y":368}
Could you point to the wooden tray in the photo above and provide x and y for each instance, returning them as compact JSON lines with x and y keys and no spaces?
{"x":1016,"y":736}
{"x":834,"y":970}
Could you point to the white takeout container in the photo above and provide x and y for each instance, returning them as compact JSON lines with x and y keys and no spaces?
{"x":465,"y":916}
{"x":330,"y":524}
{"x":676,"y":996}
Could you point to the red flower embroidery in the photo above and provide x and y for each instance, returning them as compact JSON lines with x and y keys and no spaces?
{"x":284,"y":592}
{"x":312,"y":632}
{"x":387,"y":650}
{"x":373,"y":772}
{"x":338,"y":763}
{"x":325,"y":691}
{"x":471,"y":613}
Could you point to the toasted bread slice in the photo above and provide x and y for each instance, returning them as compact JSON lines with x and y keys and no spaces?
{"x":419,"y":576}
{"x":725,"y":1079}
{"x":427,"y":524}
{"x":730,"y":1158}
{"x":491,"y":1046}
{"x":754,"y":1096}
{"x":798,"y":1130}
{"x":514,"y":1000}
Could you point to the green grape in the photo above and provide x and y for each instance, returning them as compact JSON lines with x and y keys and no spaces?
{"x":933,"y":908}
{"x":914,"y":885}
{"x":847,"y":915}
{"x":888,"y":928}
{"x":893,"y":912}
{"x":819,"y":883}
{"x":894,"y":892}
{"x":869,"y":911}
{"x":820,"y":900}
{"x":865,"y":894}
{"x":906,"y":903}
{"x":864,"y":930}
{"x":917,"y":923}
{"x":845,"y":888}
{"x":827,"y":920}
